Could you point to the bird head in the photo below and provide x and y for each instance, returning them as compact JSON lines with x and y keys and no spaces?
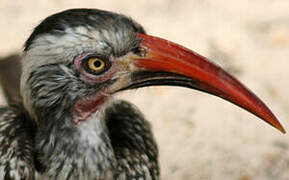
{"x":75,"y":60}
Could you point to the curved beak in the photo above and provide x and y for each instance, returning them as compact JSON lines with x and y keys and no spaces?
{"x":161,"y":62}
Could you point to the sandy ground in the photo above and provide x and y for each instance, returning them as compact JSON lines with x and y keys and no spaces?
{"x":200,"y":136}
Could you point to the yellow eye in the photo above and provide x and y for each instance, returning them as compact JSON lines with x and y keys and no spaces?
{"x":95,"y":64}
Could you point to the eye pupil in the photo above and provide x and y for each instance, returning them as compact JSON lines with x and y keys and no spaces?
{"x":97,"y":63}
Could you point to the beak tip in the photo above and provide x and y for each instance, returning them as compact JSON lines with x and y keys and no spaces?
{"x":275,"y":123}
{"x":278,"y":126}
{"x":282,"y":129}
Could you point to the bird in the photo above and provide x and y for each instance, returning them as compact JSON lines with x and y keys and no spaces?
{"x":68,"y":125}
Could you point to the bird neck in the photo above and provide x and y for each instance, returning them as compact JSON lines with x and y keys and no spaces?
{"x":81,"y":152}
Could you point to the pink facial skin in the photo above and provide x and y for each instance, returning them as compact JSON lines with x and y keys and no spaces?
{"x":85,"y":107}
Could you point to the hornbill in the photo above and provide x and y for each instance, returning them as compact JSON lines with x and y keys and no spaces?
{"x":67,"y":125}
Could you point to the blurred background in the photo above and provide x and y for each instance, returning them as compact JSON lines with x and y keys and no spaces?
{"x":200,"y":136}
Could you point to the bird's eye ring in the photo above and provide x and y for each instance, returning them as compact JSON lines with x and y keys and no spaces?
{"x":95,"y":65}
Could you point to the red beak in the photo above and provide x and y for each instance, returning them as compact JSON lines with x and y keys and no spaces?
{"x":162,"y":62}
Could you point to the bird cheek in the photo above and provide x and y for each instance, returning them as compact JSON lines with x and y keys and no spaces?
{"x":96,"y":79}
